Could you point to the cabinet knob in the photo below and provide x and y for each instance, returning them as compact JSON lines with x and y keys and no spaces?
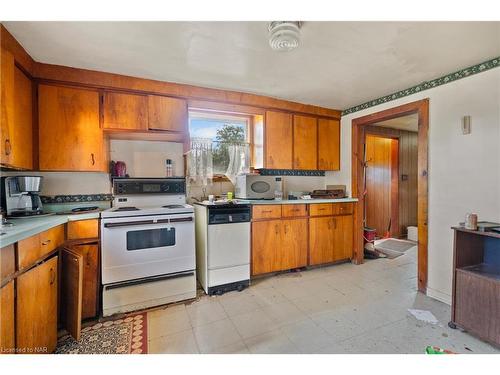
{"x":92,"y":158}
{"x":46,"y":242}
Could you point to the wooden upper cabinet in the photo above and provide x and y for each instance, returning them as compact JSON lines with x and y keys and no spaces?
{"x":22,"y":133}
{"x":328,"y":144}
{"x":305,"y":142}
{"x":167,"y":114}
{"x":278,"y":140}
{"x":6,"y":105}
{"x":70,"y":137}
{"x":125,"y":111}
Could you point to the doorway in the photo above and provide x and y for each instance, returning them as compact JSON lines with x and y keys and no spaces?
{"x":363,"y":126}
{"x":382,"y":185}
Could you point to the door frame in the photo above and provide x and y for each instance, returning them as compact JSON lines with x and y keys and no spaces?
{"x":421,"y":108}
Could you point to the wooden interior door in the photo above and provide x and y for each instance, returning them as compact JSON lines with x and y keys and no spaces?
{"x":266,"y":238}
{"x":167,"y":114}
{"x":70,"y":137}
{"x":321,"y":240}
{"x":293,"y":246}
{"x":328,"y":144}
{"x":36,"y":314}
{"x":381,"y":175}
{"x":7,"y":332}
{"x":278,"y":140}
{"x":305,"y":138}
{"x":125,"y":111}
{"x":71,"y":291}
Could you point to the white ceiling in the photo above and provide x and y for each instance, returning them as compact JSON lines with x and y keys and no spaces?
{"x":338,"y":65}
{"x":408,"y":122}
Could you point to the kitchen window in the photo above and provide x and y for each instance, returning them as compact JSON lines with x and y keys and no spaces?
{"x":220,"y":146}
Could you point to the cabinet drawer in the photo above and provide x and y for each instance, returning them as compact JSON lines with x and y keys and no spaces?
{"x":28,"y":251}
{"x":342,"y":209}
{"x":267,"y":211}
{"x":7,"y":262}
{"x":33,"y":248}
{"x":83,"y":229}
{"x":294,"y":210}
{"x":51,"y":239}
{"x":320,"y":209}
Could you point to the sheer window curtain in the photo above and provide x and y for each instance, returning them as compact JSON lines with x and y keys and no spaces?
{"x":239,"y":161}
{"x":200,"y":162}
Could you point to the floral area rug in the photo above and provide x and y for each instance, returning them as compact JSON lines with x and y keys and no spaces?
{"x":126,"y":335}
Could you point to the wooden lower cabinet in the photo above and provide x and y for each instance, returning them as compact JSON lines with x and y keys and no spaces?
{"x":7,"y":328}
{"x":265,"y":242}
{"x":293,"y":247}
{"x":36,"y":309}
{"x":330,"y":239}
{"x":278,"y":245}
{"x":90,"y":278}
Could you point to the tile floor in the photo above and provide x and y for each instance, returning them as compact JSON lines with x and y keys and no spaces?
{"x":337,"y":309}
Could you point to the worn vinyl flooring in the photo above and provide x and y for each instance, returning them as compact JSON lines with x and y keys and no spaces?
{"x":337,"y":309}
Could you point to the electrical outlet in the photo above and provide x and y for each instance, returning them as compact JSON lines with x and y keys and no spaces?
{"x":466,"y":125}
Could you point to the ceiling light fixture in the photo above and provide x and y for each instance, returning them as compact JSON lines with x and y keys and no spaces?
{"x":284,"y":35}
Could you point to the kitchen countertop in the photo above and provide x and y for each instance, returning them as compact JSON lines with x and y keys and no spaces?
{"x":24,"y":228}
{"x":285,"y":201}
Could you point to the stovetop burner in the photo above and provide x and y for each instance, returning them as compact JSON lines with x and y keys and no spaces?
{"x":173,"y":206}
{"x":127,"y":209}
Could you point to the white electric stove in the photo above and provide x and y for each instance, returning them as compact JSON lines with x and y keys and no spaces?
{"x":147,"y":245}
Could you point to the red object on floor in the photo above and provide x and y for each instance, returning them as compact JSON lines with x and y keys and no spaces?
{"x":369,"y":234}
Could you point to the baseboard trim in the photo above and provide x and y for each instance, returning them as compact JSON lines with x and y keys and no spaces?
{"x":440,"y":296}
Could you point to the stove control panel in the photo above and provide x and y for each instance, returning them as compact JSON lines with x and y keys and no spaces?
{"x":126,"y":186}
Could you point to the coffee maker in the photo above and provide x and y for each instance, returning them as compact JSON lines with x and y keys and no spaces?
{"x":20,"y":196}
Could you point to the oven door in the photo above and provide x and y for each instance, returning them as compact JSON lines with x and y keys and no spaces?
{"x":139,"y":247}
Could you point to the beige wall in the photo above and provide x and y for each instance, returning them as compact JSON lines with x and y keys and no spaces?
{"x":464,"y":170}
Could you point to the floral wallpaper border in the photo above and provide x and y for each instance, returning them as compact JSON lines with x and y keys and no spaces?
{"x":290,"y":172}
{"x":76,"y":198}
{"x":463,"y":73}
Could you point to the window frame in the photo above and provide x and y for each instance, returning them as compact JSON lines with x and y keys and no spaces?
{"x":213,"y":114}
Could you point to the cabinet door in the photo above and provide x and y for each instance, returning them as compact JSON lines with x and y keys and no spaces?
{"x":89,"y":253}
{"x":328,"y":144}
{"x":71,"y":292}
{"x":69,"y":133}
{"x":125,"y":111}
{"x":7,"y":333}
{"x":293,"y":247}
{"x":22,"y":132}
{"x":36,"y":315}
{"x":166,"y":113}
{"x":305,"y":146}
{"x":343,"y":237}
{"x":279,"y":140}
{"x":6,"y":104}
{"x":266,"y":238}
{"x":321,"y":240}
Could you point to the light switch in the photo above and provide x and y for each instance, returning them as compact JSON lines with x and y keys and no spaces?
{"x":466,"y":125}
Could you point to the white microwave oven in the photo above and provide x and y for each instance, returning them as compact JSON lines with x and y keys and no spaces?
{"x":254,"y":186}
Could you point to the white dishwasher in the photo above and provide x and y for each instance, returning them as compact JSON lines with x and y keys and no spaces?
{"x":223,"y":246}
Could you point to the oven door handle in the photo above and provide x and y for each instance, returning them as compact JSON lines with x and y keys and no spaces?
{"x":133,"y":223}
{"x":148,"y":222}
